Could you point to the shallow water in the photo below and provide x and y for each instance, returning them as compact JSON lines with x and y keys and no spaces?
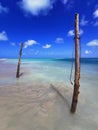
{"x":41,"y":98}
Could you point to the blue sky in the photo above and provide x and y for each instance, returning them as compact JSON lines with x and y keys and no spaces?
{"x":46,"y":27}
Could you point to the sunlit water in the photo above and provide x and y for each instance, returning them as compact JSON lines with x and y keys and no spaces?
{"x":41,"y":98}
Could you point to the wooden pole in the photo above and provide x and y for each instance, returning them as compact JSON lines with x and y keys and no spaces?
{"x":18,"y":66}
{"x":77,"y":66}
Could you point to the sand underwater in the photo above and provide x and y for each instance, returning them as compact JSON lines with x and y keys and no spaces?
{"x":41,"y":98}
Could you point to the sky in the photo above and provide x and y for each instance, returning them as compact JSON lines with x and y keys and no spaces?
{"x":46,"y":28}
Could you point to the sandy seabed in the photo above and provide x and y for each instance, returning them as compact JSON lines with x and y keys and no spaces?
{"x":41,"y":107}
{"x":29,"y":105}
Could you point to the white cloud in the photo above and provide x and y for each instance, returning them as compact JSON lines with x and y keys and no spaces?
{"x":36,"y":7}
{"x":83,"y":21}
{"x":47,"y":46}
{"x":81,"y":32}
{"x":3,"y":36}
{"x":30,"y":43}
{"x":59,"y":40}
{"x":88,"y":52}
{"x":3,"y":9}
{"x":93,"y":43}
{"x":71,"y":32}
{"x":95,"y":13}
{"x":13,"y":44}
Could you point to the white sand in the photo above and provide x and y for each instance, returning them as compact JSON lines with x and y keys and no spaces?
{"x":43,"y":107}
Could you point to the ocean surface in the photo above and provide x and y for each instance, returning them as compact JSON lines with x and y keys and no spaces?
{"x":41,"y":98}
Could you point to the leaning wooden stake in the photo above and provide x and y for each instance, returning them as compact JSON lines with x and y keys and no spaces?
{"x":77,"y":66}
{"x":20,"y":54}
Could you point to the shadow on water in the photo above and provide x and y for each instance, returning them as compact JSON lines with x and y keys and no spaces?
{"x":60,"y":95}
{"x":21,"y":74}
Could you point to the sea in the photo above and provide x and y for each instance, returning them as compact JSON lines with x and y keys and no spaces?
{"x":40,"y":99}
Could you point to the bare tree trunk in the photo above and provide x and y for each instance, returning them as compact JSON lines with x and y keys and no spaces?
{"x":77,"y":66}
{"x":18,"y":66}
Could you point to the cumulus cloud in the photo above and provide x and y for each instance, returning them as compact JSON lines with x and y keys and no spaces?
{"x":71,"y":32}
{"x":3,"y":9}
{"x":95,"y":13}
{"x":59,"y":40}
{"x":93,"y":43}
{"x":3,"y":36}
{"x":47,"y":46}
{"x":30,"y":43}
{"x":83,"y":21}
{"x":36,"y":7}
{"x":88,"y":52}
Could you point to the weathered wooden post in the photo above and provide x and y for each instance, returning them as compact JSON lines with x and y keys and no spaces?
{"x":18,"y":66}
{"x":77,"y":66}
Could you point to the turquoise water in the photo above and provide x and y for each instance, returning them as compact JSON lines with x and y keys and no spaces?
{"x":50,"y":70}
{"x":40,"y":70}
{"x":31,"y":102}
